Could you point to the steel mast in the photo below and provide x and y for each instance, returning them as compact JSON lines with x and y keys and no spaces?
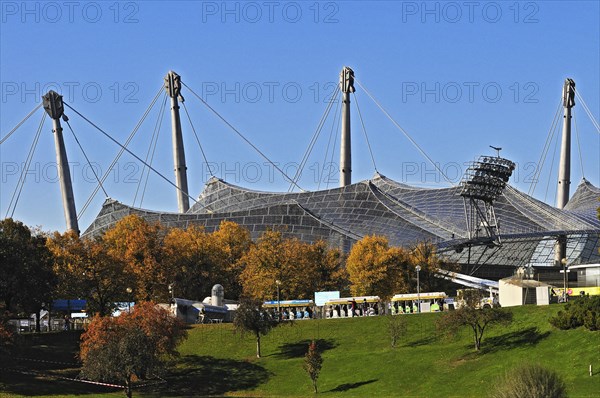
{"x":347,"y":87}
{"x":564,"y":169}
{"x":54,"y":106}
{"x":173,"y":87}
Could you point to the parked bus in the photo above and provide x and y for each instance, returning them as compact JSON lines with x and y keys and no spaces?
{"x":407,"y":303}
{"x":348,"y":307}
{"x":291,"y":309}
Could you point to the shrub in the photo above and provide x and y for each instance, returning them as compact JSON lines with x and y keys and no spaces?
{"x":581,"y":311}
{"x":530,"y":381}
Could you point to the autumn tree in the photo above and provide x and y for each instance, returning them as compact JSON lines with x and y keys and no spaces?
{"x":330,"y":266}
{"x":190,"y":261}
{"x":85,"y":269}
{"x":313,"y":362}
{"x":133,"y":346}
{"x":302,"y":268}
{"x":231,"y":242}
{"x":424,"y":255}
{"x":251,"y":317}
{"x":375,"y":268}
{"x":140,"y":245}
{"x":27,"y":280}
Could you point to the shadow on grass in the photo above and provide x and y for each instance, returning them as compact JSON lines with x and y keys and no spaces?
{"x":420,"y":342}
{"x":350,"y":386}
{"x":299,"y":349}
{"x":523,"y":338}
{"x":31,"y":386}
{"x":199,"y":376}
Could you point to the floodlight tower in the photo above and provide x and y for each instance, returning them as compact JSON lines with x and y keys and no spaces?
{"x":483,"y":183}
{"x":564,"y":168}
{"x":54,"y":106}
{"x":347,"y":87}
{"x":173,"y":87}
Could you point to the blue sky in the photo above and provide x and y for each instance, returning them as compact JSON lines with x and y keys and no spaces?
{"x":457,"y":76}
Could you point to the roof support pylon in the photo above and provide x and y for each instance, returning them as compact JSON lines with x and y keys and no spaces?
{"x":173,"y":87}
{"x":347,"y":87}
{"x":564,"y":168}
{"x":53,"y":104}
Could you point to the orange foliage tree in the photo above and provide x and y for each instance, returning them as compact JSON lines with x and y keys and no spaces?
{"x":231,"y":241}
{"x":375,"y":268}
{"x":424,"y":254}
{"x":140,"y":245}
{"x":301,"y":268}
{"x":130,"y":347}
{"x":85,"y":269}
{"x":190,"y":262}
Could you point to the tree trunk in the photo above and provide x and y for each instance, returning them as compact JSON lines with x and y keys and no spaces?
{"x":38,"y":321}
{"x":315,"y":386}
{"x":258,"y":345}
{"x":128,"y":391}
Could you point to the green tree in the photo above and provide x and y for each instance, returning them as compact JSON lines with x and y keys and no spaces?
{"x":477,"y":319}
{"x":27,"y":280}
{"x":313,"y":362}
{"x":251,"y":317}
{"x":133,"y":346}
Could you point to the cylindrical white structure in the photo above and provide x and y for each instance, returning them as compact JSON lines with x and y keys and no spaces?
{"x":217,"y":295}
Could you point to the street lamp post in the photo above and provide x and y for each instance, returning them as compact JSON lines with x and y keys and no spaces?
{"x":129,"y":291}
{"x":418,"y":268}
{"x":563,"y":261}
{"x":278,"y":282}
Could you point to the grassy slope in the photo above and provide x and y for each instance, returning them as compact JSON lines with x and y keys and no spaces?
{"x":358,"y":361}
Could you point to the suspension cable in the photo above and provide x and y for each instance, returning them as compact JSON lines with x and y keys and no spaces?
{"x":365,"y":132}
{"x":86,"y":158}
{"x":331,"y":133}
{"x":197,"y":139}
{"x":333,"y":149}
{"x":20,"y":123}
{"x":413,"y":142}
{"x":130,"y":152}
{"x":315,"y":137}
{"x":545,"y":149}
{"x":151,"y":150}
{"x":242,"y":137}
{"x":121,"y":151}
{"x":578,"y":145}
{"x":551,"y":168}
{"x":589,"y":113}
{"x":21,"y":183}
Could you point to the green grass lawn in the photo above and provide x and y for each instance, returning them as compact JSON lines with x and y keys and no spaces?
{"x":358,"y":360}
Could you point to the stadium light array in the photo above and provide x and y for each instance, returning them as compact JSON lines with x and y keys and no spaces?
{"x":486,"y":178}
